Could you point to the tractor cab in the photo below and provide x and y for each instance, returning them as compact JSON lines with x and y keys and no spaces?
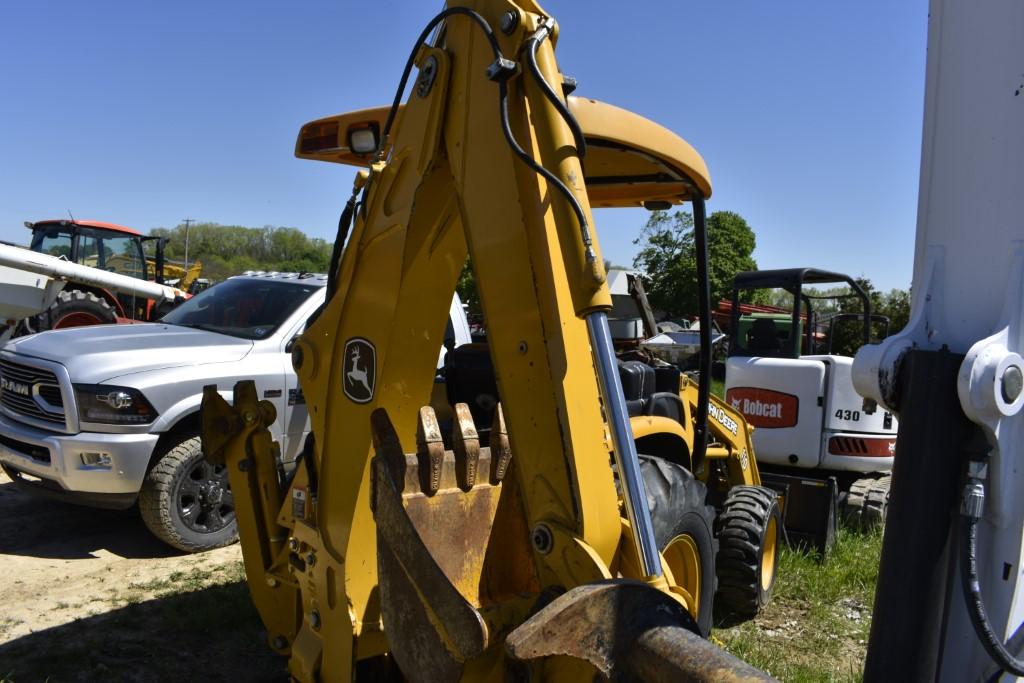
{"x":107,"y":246}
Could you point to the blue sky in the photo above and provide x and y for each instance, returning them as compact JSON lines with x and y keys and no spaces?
{"x":808,"y":113}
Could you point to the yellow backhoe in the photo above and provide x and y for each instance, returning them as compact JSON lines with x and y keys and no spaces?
{"x":522,"y":538}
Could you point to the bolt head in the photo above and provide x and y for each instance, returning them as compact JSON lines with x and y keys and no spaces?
{"x":542,"y":539}
{"x":293,"y":543}
{"x":509,"y":21}
{"x":272,"y":582}
{"x":314,"y":620}
{"x":1012,"y":383}
{"x":279,"y":643}
{"x":310,"y":559}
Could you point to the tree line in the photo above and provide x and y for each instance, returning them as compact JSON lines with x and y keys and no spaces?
{"x":666,"y":261}
{"x":227,"y":250}
{"x":667,"y":264}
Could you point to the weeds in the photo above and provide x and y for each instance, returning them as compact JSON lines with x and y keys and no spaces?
{"x":817,"y":624}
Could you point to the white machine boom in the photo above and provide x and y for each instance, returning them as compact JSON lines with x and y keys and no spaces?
{"x":30,"y":282}
{"x":950,"y":581}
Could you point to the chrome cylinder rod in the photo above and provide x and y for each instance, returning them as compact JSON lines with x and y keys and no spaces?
{"x":633,"y":491}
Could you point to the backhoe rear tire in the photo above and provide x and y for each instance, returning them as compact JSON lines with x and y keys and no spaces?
{"x":749,"y":538}
{"x":186,"y":501}
{"x":684,"y":530}
{"x":75,"y":308}
{"x":865,"y":506}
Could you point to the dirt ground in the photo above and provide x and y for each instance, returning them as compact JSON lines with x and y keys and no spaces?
{"x":90,"y":593}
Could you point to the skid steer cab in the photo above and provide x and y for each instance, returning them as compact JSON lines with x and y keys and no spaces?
{"x":826,"y":451}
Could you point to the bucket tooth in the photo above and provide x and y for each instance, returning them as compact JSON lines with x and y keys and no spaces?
{"x":429,"y":451}
{"x":501,"y":452}
{"x":466,"y":444}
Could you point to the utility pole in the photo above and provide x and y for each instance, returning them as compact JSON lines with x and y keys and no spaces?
{"x":188,"y":222}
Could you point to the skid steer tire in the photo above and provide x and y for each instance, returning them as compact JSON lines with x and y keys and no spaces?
{"x":865,"y":506}
{"x":186,"y":502}
{"x":684,"y":529}
{"x":75,"y":308}
{"x":749,"y":538}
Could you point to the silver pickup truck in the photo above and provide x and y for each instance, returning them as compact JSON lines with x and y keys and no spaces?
{"x":107,"y":415}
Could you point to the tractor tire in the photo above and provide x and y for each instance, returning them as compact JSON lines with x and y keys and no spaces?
{"x":684,"y":530}
{"x":186,"y":501}
{"x":75,"y":308}
{"x":865,"y":506}
{"x":749,"y":538}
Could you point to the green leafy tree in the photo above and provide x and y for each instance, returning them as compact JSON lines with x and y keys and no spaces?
{"x":466,"y":287}
{"x":668,"y":264}
{"x":227,"y":250}
{"x":848,"y":336}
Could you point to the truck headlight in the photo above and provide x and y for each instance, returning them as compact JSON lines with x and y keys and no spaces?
{"x":113,"y":405}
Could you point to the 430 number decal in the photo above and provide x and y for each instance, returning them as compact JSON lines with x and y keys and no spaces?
{"x":848,"y":415}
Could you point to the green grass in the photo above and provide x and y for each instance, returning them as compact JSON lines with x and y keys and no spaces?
{"x":718,"y":388}
{"x":817,"y":624}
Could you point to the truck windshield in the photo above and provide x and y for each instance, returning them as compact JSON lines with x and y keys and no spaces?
{"x":246,"y":308}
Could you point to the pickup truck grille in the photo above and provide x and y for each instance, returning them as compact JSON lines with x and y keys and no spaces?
{"x":32,"y":392}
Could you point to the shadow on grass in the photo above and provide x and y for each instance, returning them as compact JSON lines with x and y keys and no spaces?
{"x":32,"y":526}
{"x":212,"y":634}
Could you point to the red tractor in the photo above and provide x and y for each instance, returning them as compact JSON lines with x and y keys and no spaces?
{"x":96,"y":300}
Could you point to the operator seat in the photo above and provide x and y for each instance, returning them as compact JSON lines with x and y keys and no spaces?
{"x":763,"y":337}
{"x":469,"y":379}
{"x":651,"y":390}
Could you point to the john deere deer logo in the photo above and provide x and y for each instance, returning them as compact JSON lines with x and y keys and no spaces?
{"x":360,"y":367}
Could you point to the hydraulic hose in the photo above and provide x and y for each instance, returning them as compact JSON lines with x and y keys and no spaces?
{"x":577,"y":131}
{"x":551,"y":178}
{"x":492,"y":40}
{"x":501,"y":75}
{"x":972,"y":501}
{"x":344,"y":225}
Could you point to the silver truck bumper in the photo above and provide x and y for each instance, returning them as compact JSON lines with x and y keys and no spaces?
{"x":88,"y":467}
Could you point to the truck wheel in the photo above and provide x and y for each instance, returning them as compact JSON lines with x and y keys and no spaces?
{"x":683,"y":528}
{"x":76,"y":308}
{"x":866,"y":504}
{"x":186,"y":501}
{"x":749,"y":537}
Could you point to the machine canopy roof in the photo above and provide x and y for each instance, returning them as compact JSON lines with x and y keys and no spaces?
{"x":630,"y":160}
{"x":789,"y":278}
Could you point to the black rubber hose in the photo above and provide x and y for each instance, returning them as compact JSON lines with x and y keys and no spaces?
{"x":992,"y":643}
{"x":451,"y":11}
{"x":550,"y":177}
{"x":340,"y":237}
{"x":506,"y":128}
{"x":1015,"y":645}
{"x":552,"y":96}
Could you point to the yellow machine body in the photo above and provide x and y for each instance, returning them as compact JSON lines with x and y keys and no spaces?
{"x":474,"y":551}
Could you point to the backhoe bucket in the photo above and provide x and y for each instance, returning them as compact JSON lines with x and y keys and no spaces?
{"x":435,"y":511}
{"x":450,"y":548}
